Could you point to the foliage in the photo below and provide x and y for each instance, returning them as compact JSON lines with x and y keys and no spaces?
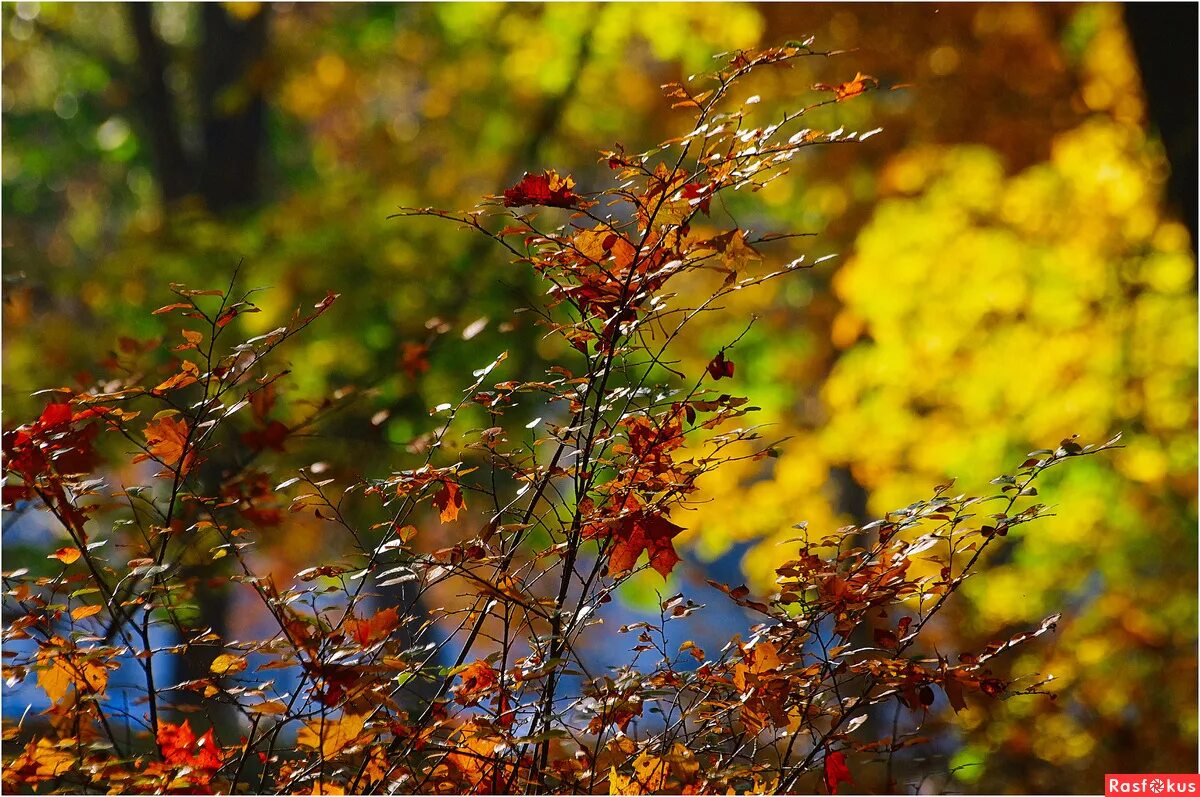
{"x":378,"y":105}
{"x":545,"y":521}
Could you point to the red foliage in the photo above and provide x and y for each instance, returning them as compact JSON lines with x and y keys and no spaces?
{"x":546,"y":188}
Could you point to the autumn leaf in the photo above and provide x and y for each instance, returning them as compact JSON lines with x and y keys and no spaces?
{"x":954,"y":692}
{"x":42,"y":760}
{"x":65,"y":555}
{"x":368,"y":632}
{"x":181,"y":748}
{"x":449,"y":501}
{"x":719,"y":367}
{"x":762,"y":659}
{"x":166,"y":440}
{"x":649,"y":775}
{"x":844,"y":91}
{"x":836,"y":771}
{"x":414,"y":359}
{"x":542,"y":189}
{"x":227,"y":664}
{"x":735,"y":252}
{"x":331,"y":736}
{"x":477,"y":680}
{"x":58,"y":671}
{"x":268,"y":707}
{"x":83,"y":612}
{"x":188,"y":374}
{"x":644,"y":532}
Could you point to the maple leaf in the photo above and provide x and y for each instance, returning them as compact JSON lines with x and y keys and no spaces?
{"x":700,"y":194}
{"x":644,"y":532}
{"x":181,"y":748}
{"x":166,"y":439}
{"x":449,"y":501}
{"x":719,"y":367}
{"x":41,"y":760}
{"x":368,"y":632}
{"x":546,"y":189}
{"x":477,"y":680}
{"x":836,"y":771}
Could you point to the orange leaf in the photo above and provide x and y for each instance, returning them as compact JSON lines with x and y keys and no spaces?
{"x":368,"y":632}
{"x":477,"y":680}
{"x":844,"y":91}
{"x":83,"y":612}
{"x":65,"y":555}
{"x":166,"y":439}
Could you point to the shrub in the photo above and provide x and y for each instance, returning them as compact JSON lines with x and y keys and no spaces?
{"x":350,"y":687}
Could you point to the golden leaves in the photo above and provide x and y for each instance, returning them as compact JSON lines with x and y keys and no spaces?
{"x":42,"y":760}
{"x":227,"y":664}
{"x":650,"y":772}
{"x":59,"y":670}
{"x":332,"y":736}
{"x":188,"y":374}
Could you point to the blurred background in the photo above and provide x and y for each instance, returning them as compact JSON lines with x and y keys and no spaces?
{"x":1016,"y":264}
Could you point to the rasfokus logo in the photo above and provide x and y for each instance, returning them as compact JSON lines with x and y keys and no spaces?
{"x":1151,"y":784}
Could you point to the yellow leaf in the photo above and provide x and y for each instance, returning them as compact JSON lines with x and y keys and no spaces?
{"x":84,"y":612}
{"x":44,"y":760}
{"x":53,"y":679}
{"x":330,"y":737}
{"x":268,"y":707}
{"x":326,"y":788}
{"x":58,"y":671}
{"x":227,"y":664}
{"x":649,"y":775}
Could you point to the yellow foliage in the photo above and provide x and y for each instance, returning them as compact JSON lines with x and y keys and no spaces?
{"x":331,"y":736}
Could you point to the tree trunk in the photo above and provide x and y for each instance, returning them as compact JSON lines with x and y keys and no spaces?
{"x":1164,"y":41}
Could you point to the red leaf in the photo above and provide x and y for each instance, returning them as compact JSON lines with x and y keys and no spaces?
{"x":415,"y":359}
{"x":836,"y":771}
{"x":954,"y":693}
{"x":992,"y":687}
{"x":449,"y":501}
{"x":272,"y":436}
{"x":368,"y":632}
{"x":698,"y":191}
{"x":181,"y":748}
{"x":641,"y":532}
{"x":542,"y":189}
{"x":720,"y":368}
